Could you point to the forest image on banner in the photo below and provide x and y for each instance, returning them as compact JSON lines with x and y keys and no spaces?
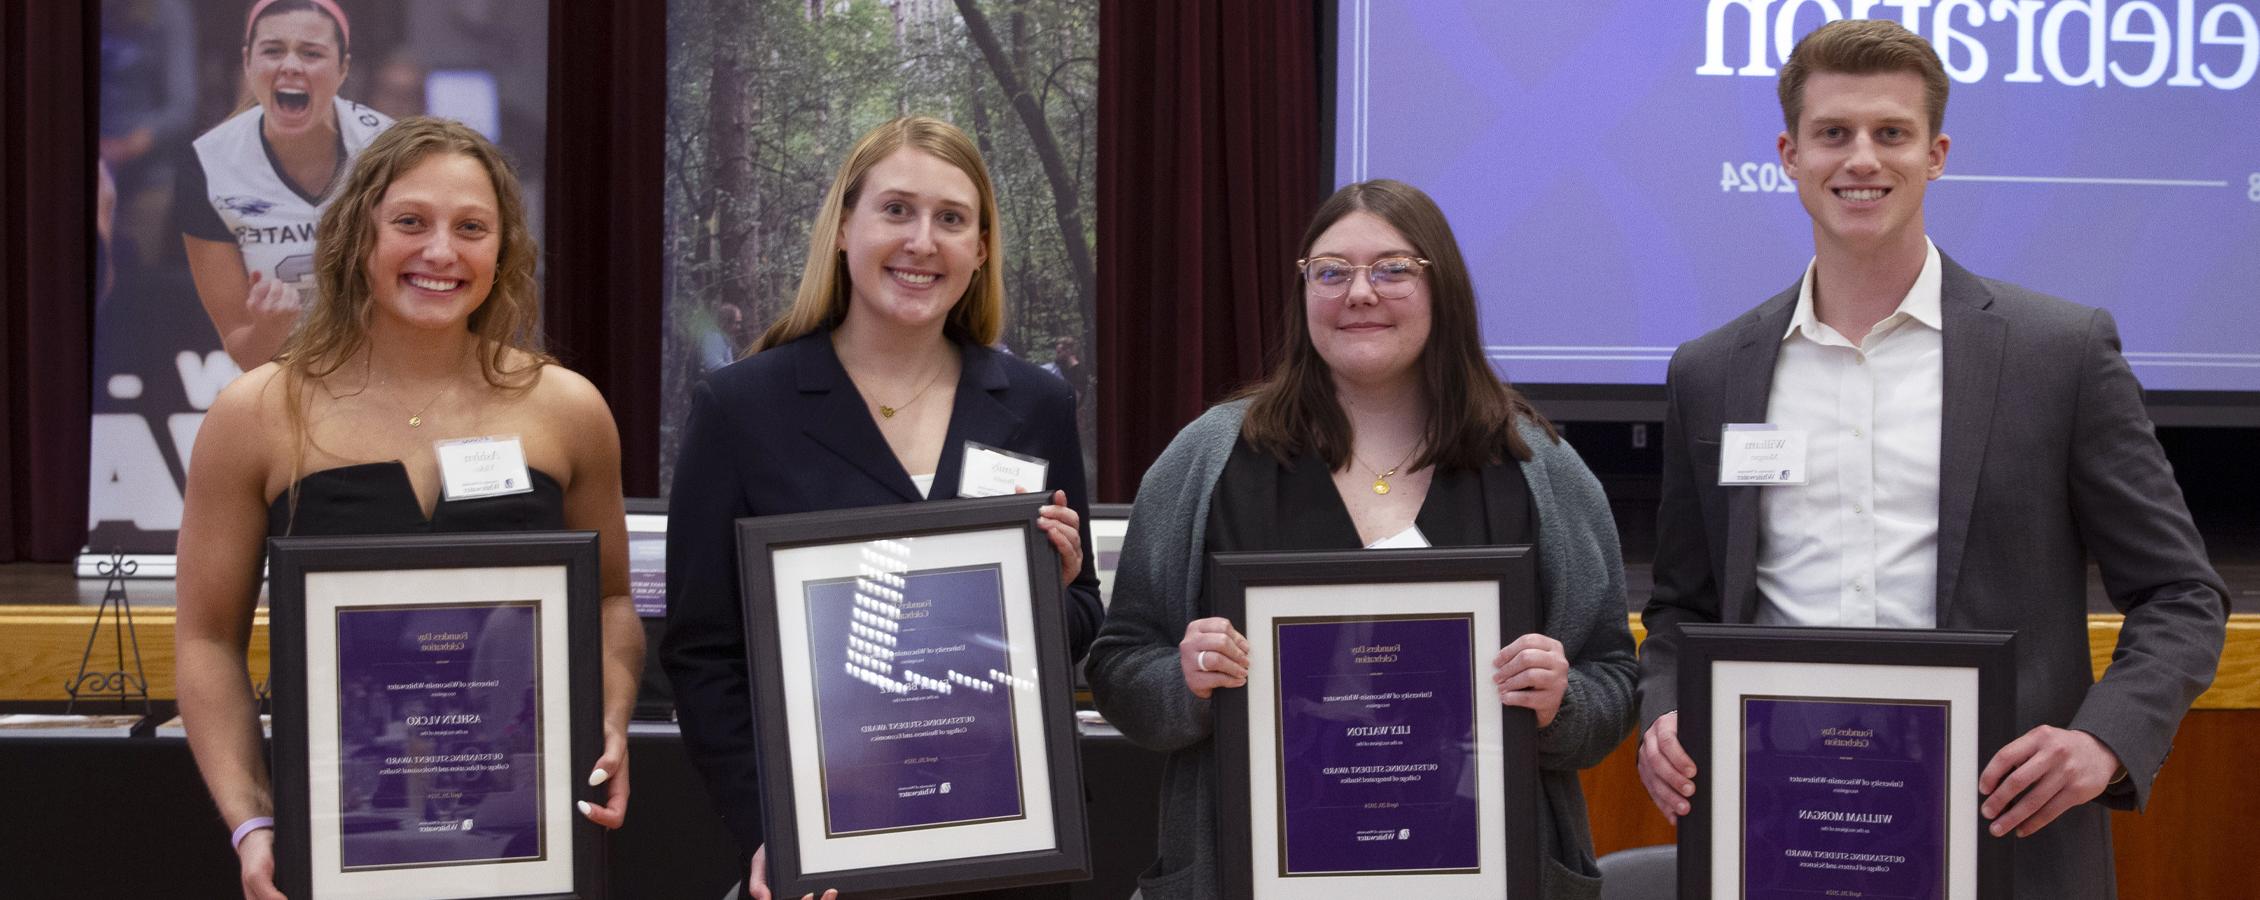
{"x":765,"y":99}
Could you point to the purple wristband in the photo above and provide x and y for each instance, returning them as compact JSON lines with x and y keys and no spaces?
{"x":249,"y":825}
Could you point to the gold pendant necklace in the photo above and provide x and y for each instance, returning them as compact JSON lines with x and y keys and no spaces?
{"x":416,"y":419}
{"x":886,"y":411}
{"x":1380,"y":478}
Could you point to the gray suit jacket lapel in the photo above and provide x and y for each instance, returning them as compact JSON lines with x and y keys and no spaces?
{"x":1973,"y":340}
{"x":1749,"y":379}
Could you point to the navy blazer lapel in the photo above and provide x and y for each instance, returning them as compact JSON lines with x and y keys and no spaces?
{"x":1749,"y":382}
{"x":834,"y":416}
{"x":977,"y":413}
{"x":1973,"y":337}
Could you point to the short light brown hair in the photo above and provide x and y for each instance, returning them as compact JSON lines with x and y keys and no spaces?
{"x":822,"y":301}
{"x":1861,"y":47}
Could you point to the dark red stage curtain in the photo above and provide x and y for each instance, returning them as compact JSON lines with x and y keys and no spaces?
{"x":604,"y":312}
{"x":45,"y":168}
{"x":1208,"y":169}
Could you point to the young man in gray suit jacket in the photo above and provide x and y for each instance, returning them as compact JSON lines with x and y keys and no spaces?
{"x":1971,"y":445}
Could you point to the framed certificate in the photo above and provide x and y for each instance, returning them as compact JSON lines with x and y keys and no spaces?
{"x":647,"y":558}
{"x":911,"y":699}
{"x":1842,"y":762}
{"x":437,"y":701}
{"x":1369,"y":755}
{"x":1108,"y":524}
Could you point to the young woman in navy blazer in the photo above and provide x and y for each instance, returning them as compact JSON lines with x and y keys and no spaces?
{"x":863,"y":394}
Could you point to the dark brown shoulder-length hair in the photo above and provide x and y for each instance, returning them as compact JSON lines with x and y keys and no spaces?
{"x":1471,"y":410}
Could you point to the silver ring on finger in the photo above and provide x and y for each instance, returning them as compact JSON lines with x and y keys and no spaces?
{"x":1201,"y":660}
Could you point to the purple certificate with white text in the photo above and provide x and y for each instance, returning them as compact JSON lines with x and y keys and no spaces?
{"x":914,"y":700}
{"x":1843,"y":798}
{"x":1376,"y":724}
{"x":439,"y":734}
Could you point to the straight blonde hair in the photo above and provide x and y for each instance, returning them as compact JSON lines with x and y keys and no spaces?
{"x":822,"y":301}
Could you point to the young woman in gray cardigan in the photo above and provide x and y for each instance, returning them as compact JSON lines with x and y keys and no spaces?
{"x":1384,"y":365}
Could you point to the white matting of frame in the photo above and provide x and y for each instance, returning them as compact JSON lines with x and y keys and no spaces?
{"x":1268,"y":602}
{"x":328,"y":592}
{"x":795,"y":567}
{"x":1731,"y":680}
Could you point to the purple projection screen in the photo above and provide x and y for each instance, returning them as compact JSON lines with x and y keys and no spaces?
{"x":1609,"y":166}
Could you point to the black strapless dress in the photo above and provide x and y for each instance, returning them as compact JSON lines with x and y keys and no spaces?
{"x":377,"y":498}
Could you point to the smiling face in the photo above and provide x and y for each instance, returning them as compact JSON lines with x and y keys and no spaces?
{"x":294,"y":67}
{"x":1862,"y":155}
{"x":437,"y":241}
{"x":913,"y":240}
{"x":1363,"y":337}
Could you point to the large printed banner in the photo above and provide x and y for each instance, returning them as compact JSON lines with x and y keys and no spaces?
{"x":222,"y":140}
{"x":1610,"y":171}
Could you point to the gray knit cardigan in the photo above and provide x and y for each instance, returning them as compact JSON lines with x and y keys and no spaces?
{"x":1134,"y":675}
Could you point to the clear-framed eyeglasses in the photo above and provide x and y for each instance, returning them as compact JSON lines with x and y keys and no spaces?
{"x":1328,"y":278}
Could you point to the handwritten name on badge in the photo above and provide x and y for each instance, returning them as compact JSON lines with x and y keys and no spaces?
{"x":1760,"y":454}
{"x":483,"y":467}
{"x":990,"y":472}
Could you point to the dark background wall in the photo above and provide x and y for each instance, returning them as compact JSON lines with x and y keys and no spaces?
{"x":1211,"y":158}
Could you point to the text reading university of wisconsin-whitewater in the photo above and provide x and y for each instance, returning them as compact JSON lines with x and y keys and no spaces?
{"x":2131,"y":43}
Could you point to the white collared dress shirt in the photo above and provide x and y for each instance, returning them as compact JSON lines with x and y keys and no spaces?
{"x":1857,"y":544}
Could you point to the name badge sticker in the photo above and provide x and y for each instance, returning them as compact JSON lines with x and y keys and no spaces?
{"x":1761,"y":454}
{"x":990,"y":472}
{"x":491,"y":466}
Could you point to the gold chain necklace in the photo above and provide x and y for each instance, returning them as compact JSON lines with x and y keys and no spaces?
{"x":886,"y":411}
{"x":416,"y":419}
{"x":1380,"y":478}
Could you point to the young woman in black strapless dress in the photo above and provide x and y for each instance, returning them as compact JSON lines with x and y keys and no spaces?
{"x":424,"y":329}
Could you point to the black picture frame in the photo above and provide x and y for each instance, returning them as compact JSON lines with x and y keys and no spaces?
{"x":760,"y":540}
{"x":293,"y":561}
{"x":1512,"y":568}
{"x":1990,"y":654}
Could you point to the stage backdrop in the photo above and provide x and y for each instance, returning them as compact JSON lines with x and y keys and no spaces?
{"x":1609,"y":165}
{"x":190,"y":174}
{"x":766,"y":97}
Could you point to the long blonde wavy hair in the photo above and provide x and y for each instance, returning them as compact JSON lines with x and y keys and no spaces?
{"x":335,"y":325}
{"x":822,"y":301}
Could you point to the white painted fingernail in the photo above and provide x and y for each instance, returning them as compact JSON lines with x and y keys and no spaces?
{"x":582,"y":805}
{"x":598,"y":777}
